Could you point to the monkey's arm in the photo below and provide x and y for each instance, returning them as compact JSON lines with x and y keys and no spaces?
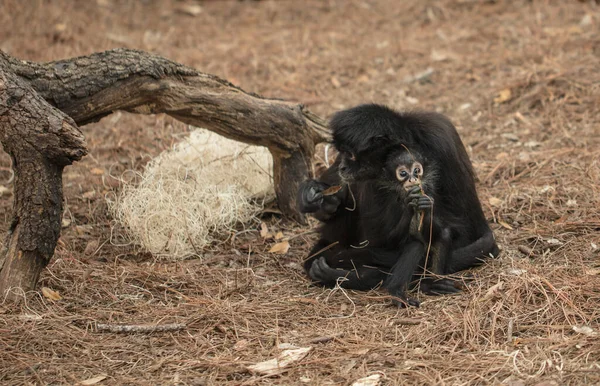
{"x":437,"y":240}
{"x":312,"y":200}
{"x":399,"y":278}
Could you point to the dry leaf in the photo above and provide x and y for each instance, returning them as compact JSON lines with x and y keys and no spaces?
{"x":494,"y":201}
{"x":93,"y":381}
{"x":521,"y":118}
{"x":60,"y":27}
{"x":335,"y":82}
{"x":586,"y":20}
{"x":331,"y":190}
{"x":516,"y":271}
{"x":360,"y":351}
{"x":371,"y":380}
{"x":554,"y":241}
{"x":97,"y":171}
{"x":190,"y":9}
{"x":510,"y":136}
{"x":50,"y":294}
{"x":585,"y":330}
{"x":264,"y":230}
{"x":279,"y":236}
{"x":241,"y":344}
{"x":277,"y":365}
{"x":504,"y":96}
{"x":280,"y":248}
{"x":505,"y":225}
{"x":493,"y":290}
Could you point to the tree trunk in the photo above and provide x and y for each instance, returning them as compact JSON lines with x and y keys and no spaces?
{"x":41,"y":141}
{"x":41,"y":104}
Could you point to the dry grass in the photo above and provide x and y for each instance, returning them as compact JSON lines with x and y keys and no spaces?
{"x":531,"y":316}
{"x":192,"y":196}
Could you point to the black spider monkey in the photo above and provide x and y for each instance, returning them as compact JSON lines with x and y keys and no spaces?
{"x":417,"y":186}
{"x":364,"y":236}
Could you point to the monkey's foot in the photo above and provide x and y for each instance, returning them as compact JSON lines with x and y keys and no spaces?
{"x":402,"y":301}
{"x":444,"y":286}
{"x":322,"y":273}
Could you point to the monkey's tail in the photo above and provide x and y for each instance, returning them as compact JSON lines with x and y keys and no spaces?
{"x":473,"y":254}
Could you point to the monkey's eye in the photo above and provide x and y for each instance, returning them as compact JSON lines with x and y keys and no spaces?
{"x":401,"y":174}
{"x":417,"y":171}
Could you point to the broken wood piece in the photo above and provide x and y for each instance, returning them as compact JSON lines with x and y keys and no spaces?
{"x":139,"y":328}
{"x":278,"y":365}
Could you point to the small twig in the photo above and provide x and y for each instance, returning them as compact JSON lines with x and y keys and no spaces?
{"x":353,"y":200}
{"x":326,"y":338}
{"x":139,"y":328}
{"x":407,"y":322}
{"x":525,"y":250}
{"x":321,"y":250}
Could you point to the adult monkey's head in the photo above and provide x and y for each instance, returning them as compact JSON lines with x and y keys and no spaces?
{"x":363,"y":136}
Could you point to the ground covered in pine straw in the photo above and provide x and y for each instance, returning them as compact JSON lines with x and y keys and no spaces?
{"x":519,"y":78}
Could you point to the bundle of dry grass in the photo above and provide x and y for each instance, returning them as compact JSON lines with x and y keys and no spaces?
{"x":192,"y":195}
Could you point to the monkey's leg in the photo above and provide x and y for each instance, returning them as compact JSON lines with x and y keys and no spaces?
{"x":362,"y":278}
{"x":398,"y":280}
{"x":362,"y":268}
{"x":440,"y":253}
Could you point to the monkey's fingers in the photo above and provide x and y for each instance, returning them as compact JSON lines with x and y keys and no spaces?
{"x":441,"y":287}
{"x":402,"y":301}
{"x":424,"y":203}
{"x":414,"y":194}
{"x":415,"y":190}
{"x":313,"y":195}
{"x":406,"y":302}
{"x":321,"y":272}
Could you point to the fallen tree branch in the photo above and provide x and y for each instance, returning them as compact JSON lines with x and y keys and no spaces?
{"x":91,"y":87}
{"x":139,"y":328}
{"x":41,"y":105}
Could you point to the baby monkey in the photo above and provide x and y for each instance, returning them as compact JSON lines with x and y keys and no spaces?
{"x":418,"y":187}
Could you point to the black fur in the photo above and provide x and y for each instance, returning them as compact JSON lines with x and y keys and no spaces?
{"x":365,"y":238}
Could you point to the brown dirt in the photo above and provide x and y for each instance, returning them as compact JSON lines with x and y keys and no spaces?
{"x":536,"y":152}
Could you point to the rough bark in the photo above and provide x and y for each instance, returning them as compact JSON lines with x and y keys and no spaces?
{"x":41,"y":141}
{"x":89,"y":88}
{"x":42,"y":103}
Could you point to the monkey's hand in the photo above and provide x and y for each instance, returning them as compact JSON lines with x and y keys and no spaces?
{"x":311,"y":198}
{"x":402,"y":301}
{"x":321,"y":273}
{"x":418,"y":200}
{"x":443,"y":286}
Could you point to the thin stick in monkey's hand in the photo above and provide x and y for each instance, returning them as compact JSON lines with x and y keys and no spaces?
{"x":421,"y":213}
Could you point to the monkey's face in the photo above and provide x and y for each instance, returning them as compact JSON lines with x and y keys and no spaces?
{"x":361,"y":166}
{"x":409,"y":174}
{"x":404,"y":170}
{"x":361,"y":160}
